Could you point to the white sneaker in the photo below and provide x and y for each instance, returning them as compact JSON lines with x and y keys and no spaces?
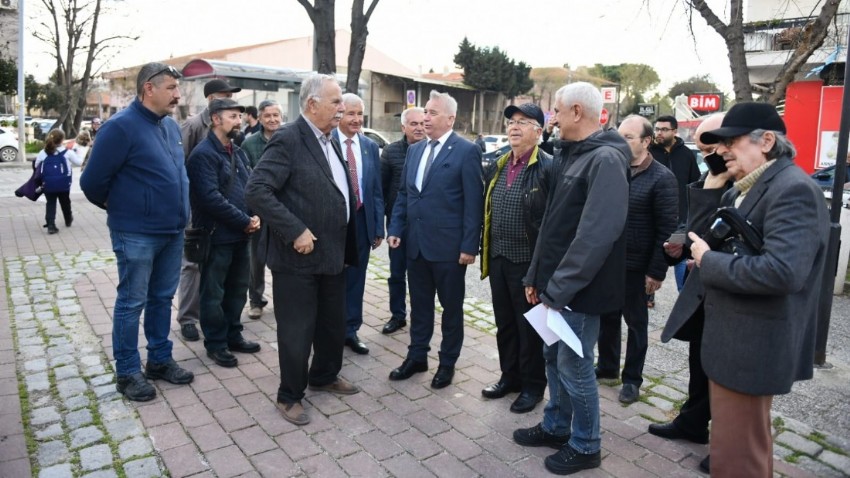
{"x":254,"y":313}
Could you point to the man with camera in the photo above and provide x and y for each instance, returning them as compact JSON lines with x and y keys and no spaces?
{"x":760,"y":302}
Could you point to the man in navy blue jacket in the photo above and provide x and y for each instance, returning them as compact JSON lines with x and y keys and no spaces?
{"x":137,"y":173}
{"x":218,"y":172}
{"x":364,"y":170}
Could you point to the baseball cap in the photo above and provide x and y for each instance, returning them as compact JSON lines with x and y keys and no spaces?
{"x":219,"y":104}
{"x":528,"y":109}
{"x":744,"y":118}
{"x":219,"y":86}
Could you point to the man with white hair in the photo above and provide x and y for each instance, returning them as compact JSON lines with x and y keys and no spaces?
{"x":302,"y":191}
{"x":440,"y":204}
{"x":578,"y":269}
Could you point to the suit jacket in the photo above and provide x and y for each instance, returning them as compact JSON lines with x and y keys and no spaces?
{"x":371,"y":194}
{"x":444,"y":218}
{"x":761,"y":311}
{"x":292,"y":189}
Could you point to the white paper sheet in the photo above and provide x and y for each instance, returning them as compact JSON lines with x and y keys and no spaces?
{"x":551,"y":327}
{"x":537,"y":318}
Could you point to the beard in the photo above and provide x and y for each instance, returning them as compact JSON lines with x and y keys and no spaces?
{"x":233,"y":133}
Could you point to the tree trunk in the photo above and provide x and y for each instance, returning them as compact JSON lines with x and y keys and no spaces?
{"x":324,"y":35}
{"x":357,"y":48}
{"x":84,"y":84}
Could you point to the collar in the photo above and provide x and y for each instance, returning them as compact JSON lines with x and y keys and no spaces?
{"x":746,"y":183}
{"x":642,"y":166}
{"x":355,"y":140}
{"x":523,"y":158}
{"x":145,"y":112}
{"x":319,"y":134}
{"x":442,"y":139}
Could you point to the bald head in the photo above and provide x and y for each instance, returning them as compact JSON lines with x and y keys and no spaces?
{"x":712,"y":122}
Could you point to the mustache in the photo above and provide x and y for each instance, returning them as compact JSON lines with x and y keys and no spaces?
{"x":174,"y":102}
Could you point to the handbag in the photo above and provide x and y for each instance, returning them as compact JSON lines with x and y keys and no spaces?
{"x":196,"y":244}
{"x":33,"y":188}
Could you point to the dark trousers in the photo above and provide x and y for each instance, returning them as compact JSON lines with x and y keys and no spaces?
{"x":355,"y":277}
{"x":520,"y":347}
{"x":696,"y":411}
{"x":637,"y":319}
{"x":64,"y":202}
{"x":397,"y":283}
{"x":446,"y":280}
{"x":224,"y":284}
{"x":257,"y":277}
{"x":313,"y":319}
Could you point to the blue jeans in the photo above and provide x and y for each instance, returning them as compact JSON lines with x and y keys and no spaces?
{"x":680,"y":270}
{"x":148,"y":273}
{"x":573,"y":406}
{"x":223,"y":292}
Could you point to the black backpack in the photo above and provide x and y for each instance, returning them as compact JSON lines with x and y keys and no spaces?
{"x":54,"y":173}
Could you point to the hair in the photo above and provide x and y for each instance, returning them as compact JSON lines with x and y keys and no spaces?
{"x":404,"y":113}
{"x":267,"y":104}
{"x":150,"y":69}
{"x":252,"y":111}
{"x":54,"y":139}
{"x":581,"y":93}
{"x":447,"y":100}
{"x":84,"y":138}
{"x":782,"y":147}
{"x":312,"y":87}
{"x":351,"y":98}
{"x":668,"y":119}
{"x":646,"y":126}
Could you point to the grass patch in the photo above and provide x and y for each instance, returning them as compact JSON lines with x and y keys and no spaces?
{"x":820,"y":439}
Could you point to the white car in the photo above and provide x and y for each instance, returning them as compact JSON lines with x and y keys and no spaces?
{"x":8,"y":145}
{"x":493,"y":142}
{"x":376,"y":137}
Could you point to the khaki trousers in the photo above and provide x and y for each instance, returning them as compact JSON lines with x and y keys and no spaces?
{"x":741,"y":440}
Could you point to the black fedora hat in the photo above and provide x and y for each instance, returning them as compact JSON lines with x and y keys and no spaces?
{"x":744,"y":118}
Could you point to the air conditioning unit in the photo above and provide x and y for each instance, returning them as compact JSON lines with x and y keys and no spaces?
{"x":8,"y":4}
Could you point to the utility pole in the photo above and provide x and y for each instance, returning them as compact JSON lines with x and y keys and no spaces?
{"x":22,"y":137}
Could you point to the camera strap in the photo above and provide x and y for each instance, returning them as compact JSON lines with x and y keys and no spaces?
{"x":741,"y":226}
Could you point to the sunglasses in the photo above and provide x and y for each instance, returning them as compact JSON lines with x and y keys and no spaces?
{"x":167,"y":69}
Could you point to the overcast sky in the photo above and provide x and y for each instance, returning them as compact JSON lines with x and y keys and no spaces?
{"x":425,"y":34}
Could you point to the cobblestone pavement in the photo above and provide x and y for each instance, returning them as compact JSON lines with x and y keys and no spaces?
{"x":61,"y":416}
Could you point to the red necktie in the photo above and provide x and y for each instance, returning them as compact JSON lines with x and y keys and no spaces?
{"x":352,"y":171}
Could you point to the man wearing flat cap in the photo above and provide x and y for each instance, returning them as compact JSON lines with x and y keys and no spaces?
{"x":193,"y":131}
{"x":516,"y":188}
{"x":760,"y":308}
{"x":218,"y":172}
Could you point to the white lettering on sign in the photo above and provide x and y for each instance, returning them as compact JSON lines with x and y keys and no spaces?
{"x":704,"y":102}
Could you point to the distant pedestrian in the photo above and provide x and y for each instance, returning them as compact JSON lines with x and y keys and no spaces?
{"x":481,"y":144}
{"x":252,"y":119}
{"x":55,"y":162}
{"x":138,"y":175}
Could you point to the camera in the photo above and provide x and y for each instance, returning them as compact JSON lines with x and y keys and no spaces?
{"x":717,"y":234}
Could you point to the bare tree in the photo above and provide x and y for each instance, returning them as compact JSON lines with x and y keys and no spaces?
{"x":357,"y":50}
{"x":809,"y":39}
{"x":70,"y":31}
{"x":321,"y":13}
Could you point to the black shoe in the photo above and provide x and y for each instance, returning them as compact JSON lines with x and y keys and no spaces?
{"x":356,"y":345}
{"x":537,"y":436}
{"x":243,"y":346}
{"x":443,"y":377}
{"x":51,"y":228}
{"x":605,"y":374}
{"x":629,"y":393}
{"x":568,"y":461}
{"x":525,"y":402}
{"x":168,"y":371}
{"x":499,"y":390}
{"x":223,"y":357}
{"x":393,"y":325}
{"x":407,"y":369}
{"x":135,"y":387}
{"x":672,"y":432}
{"x":705,"y":464}
{"x":190,"y":332}
{"x":69,"y":220}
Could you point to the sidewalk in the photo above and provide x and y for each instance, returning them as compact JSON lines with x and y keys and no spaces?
{"x":61,"y":416}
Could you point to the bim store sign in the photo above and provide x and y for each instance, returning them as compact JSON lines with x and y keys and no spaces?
{"x":706,"y":102}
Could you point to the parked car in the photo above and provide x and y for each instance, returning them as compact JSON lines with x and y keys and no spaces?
{"x":490,"y":157}
{"x":698,"y":154}
{"x":376,"y":137}
{"x":826,"y":177}
{"x":8,"y":145}
{"x":494,"y":141}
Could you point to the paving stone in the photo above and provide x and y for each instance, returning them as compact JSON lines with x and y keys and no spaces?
{"x":796,"y":442}
{"x":90,"y":360}
{"x":819,"y":469}
{"x":95,"y":457}
{"x":65,"y":372}
{"x":670,"y":393}
{"x":52,"y":452}
{"x":106,"y":392}
{"x":661,"y":403}
{"x":71,"y":387}
{"x":113,"y":410}
{"x":138,"y":446}
{"x":144,"y":468}
{"x":122,"y":429}
{"x":102,"y":380}
{"x":839,"y":462}
{"x":108,"y":473}
{"x":37,"y":382}
{"x":78,"y":418}
{"x":43,"y":416}
{"x":76,"y":402}
{"x":56,"y":471}
{"x":61,"y":360}
{"x":85,"y":436}
{"x":49,"y":432}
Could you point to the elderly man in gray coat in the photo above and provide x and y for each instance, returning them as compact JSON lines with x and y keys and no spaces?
{"x":760,"y":308}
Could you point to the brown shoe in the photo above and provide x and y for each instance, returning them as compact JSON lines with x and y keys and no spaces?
{"x":293,"y":413}
{"x":341,"y":387}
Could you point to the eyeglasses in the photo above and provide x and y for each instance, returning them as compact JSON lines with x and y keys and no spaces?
{"x":663,"y":130}
{"x":728,"y":142}
{"x":167,"y":69}
{"x":522,"y":122}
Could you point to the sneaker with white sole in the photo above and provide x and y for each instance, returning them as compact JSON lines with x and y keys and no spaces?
{"x":255,"y":313}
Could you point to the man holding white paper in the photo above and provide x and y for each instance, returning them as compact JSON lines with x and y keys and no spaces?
{"x":578,"y":269}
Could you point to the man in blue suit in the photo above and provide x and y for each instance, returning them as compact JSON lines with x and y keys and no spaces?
{"x":440,"y":202}
{"x":364,"y":169}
